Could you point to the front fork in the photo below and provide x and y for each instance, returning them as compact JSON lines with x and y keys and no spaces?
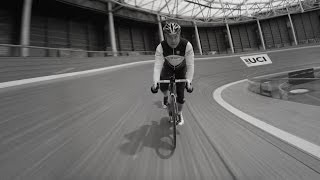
{"x":172,"y":107}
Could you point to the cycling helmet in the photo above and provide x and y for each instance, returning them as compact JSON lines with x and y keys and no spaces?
{"x":172,"y":28}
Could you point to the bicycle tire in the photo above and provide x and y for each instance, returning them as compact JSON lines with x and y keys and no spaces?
{"x":174,"y":115}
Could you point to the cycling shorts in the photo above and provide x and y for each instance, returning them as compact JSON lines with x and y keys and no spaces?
{"x":180,"y":73}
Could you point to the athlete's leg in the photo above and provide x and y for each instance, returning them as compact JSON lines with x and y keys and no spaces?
{"x":165,"y":75}
{"x":181,"y":74}
{"x":180,"y":96}
{"x":165,"y":99}
{"x":165,"y":91}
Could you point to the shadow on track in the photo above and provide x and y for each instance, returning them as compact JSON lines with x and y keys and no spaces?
{"x":157,"y":136}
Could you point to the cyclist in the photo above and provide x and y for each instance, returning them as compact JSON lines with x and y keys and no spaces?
{"x":174,"y":55}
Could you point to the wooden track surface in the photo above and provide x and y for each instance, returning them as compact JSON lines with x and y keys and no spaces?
{"x":109,"y":126}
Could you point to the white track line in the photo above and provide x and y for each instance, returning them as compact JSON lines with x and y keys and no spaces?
{"x":51,"y":77}
{"x":298,"y":142}
{"x":58,"y":76}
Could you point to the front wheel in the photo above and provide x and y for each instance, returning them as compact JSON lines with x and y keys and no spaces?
{"x":174,"y":116}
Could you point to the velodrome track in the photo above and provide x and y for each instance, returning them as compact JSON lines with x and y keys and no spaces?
{"x":109,"y":126}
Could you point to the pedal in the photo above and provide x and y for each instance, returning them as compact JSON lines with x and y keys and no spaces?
{"x":178,"y":121}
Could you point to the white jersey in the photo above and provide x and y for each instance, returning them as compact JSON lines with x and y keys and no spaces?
{"x":175,"y":57}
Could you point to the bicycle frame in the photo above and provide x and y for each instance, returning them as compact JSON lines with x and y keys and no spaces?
{"x":174,"y":109}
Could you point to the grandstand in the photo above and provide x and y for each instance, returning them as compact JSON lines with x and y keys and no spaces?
{"x":98,"y":28}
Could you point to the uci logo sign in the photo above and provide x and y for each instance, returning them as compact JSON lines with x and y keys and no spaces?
{"x":256,"y":60}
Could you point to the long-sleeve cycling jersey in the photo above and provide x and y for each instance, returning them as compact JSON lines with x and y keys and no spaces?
{"x":174,"y":57}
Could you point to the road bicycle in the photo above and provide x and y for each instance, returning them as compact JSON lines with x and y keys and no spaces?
{"x":172,"y":106}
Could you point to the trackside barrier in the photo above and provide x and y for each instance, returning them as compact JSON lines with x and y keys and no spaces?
{"x":10,"y":50}
{"x":280,"y":86}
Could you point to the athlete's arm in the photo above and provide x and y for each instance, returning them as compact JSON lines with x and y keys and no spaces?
{"x":190,"y":62}
{"x":158,"y":64}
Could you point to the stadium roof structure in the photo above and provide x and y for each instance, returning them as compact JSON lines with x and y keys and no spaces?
{"x":217,"y":11}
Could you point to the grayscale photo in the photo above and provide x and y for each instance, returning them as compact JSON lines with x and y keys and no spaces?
{"x":160,"y":90}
